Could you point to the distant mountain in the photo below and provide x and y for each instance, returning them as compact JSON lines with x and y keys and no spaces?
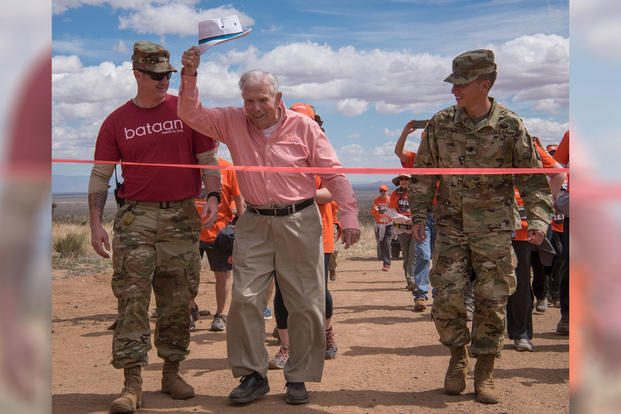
{"x":71,"y":184}
{"x":372,"y":186}
{"x":64,"y":184}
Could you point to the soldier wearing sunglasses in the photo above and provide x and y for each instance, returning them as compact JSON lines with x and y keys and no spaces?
{"x":157,"y":226}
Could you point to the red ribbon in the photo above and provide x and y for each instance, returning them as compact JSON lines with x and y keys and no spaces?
{"x":326,"y":170}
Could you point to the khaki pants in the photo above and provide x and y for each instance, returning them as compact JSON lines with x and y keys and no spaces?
{"x":291,"y":248}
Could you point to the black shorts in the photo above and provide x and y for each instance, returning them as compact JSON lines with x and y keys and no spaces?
{"x":219,"y":260}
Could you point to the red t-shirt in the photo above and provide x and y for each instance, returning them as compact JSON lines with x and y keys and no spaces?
{"x":548,"y":162}
{"x":230,"y":191}
{"x":153,"y":135}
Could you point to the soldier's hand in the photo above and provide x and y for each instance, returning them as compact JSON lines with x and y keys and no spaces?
{"x":99,"y":237}
{"x":191,"y":59}
{"x":350,"y":236}
{"x":536,"y":237}
{"x":418,"y":232}
{"x":210,"y":213}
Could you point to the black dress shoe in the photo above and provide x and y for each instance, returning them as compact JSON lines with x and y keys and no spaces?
{"x":296,"y":393}
{"x":250,"y":387}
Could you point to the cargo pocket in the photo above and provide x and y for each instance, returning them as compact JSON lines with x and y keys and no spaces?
{"x":121,"y":212}
{"x":193,"y":227}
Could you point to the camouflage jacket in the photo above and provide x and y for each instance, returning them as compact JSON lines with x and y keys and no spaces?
{"x":479,"y":203}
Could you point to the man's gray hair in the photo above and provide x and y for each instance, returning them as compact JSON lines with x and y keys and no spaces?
{"x":258,"y":77}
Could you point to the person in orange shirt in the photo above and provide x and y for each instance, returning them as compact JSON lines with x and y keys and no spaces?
{"x":384,"y":229}
{"x":424,"y":249}
{"x":220,"y":257}
{"x":399,"y":212}
{"x":520,"y":303}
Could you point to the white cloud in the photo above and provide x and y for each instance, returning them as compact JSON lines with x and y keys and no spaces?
{"x":272,"y":29}
{"x":160,"y":17}
{"x":392,"y":133}
{"x":95,"y":84}
{"x":549,"y":132}
{"x":385,"y":152}
{"x":81,"y":99}
{"x":352,"y":156}
{"x":547,"y":105}
{"x":61,"y":6}
{"x":217,"y":84}
{"x":354,"y":135}
{"x":380,"y":156}
{"x":175,"y":18}
{"x":74,"y":143}
{"x":412,"y":146}
{"x":121,"y":47}
{"x":351,"y":107}
{"x":533,"y":71}
{"x":66,"y":64}
{"x":597,"y":23}
{"x":533,"y":68}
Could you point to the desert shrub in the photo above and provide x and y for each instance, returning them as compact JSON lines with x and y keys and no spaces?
{"x":70,"y":245}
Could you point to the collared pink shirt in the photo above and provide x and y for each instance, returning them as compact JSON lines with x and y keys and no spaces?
{"x":297,"y":142}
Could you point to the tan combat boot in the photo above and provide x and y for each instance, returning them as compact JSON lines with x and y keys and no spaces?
{"x":455,"y":379}
{"x":483,"y":381}
{"x":131,"y":396}
{"x":173,"y":384}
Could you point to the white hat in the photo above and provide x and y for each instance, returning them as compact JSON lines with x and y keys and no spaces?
{"x":215,"y":31}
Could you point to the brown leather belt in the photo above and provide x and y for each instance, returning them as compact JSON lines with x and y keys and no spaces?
{"x":280,"y":211}
{"x":159,"y":204}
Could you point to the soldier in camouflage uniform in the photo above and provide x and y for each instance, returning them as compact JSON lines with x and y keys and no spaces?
{"x":475,"y":215}
{"x":156,"y":229}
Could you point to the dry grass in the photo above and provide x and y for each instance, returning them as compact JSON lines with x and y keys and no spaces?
{"x":87,"y":261}
{"x":74,"y":259}
{"x":366,"y":246}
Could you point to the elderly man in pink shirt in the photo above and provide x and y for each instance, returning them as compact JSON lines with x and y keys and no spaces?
{"x":280,"y":233}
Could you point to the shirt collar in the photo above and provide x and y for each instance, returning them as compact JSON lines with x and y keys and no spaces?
{"x":492,"y":120}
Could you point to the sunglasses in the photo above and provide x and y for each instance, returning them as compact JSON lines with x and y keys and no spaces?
{"x":157,"y":76}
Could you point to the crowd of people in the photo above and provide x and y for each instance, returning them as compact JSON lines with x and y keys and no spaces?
{"x":271,"y":230}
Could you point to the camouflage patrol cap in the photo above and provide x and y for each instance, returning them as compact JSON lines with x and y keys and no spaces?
{"x":470,"y":65}
{"x":151,"y":57}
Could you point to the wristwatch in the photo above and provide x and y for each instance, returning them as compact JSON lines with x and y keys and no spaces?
{"x":214,"y":194}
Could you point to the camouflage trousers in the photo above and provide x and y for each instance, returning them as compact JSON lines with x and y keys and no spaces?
{"x":491,"y":257}
{"x":154,"y":246}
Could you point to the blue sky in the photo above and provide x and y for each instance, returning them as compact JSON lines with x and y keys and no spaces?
{"x":367,"y":66}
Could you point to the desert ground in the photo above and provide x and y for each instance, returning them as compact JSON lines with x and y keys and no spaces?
{"x":389,"y":361}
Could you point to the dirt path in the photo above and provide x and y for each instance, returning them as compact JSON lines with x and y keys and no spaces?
{"x":389,"y":361}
